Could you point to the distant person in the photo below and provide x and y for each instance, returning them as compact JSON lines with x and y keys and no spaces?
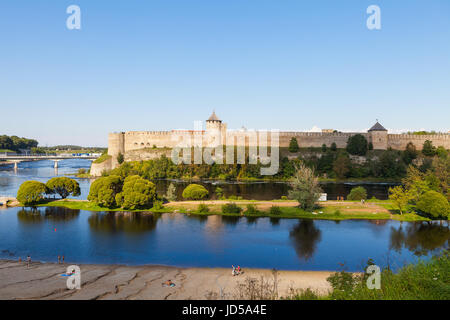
{"x":233,"y":272}
{"x":28,"y":261}
{"x":59,"y":259}
{"x":63,"y":259}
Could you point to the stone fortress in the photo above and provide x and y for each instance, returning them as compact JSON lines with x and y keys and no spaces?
{"x":135,"y":142}
{"x":124,"y":142}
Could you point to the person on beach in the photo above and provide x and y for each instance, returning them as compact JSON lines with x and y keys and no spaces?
{"x":59,"y":259}
{"x":63,"y":259}
{"x":233,"y":272}
{"x":28,"y":261}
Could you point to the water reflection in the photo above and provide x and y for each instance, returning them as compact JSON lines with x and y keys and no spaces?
{"x":420,"y":238}
{"x":305,"y":236}
{"x":129,"y":222}
{"x":38,"y":215}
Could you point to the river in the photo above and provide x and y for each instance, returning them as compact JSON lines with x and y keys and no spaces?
{"x":213,"y":241}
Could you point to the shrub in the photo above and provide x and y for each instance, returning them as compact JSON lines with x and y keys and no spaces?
{"x":233,"y":197}
{"x":120,"y":158}
{"x":434,"y":204}
{"x":63,"y":186}
{"x":137,"y":192}
{"x":251,"y":209}
{"x":275,"y":210}
{"x":284,"y":198}
{"x":203,"y":208}
{"x":31,"y":192}
{"x":428,"y":149}
{"x":103,"y":190}
{"x":195,"y":192}
{"x":358,"y":193}
{"x":158,"y":205}
{"x":231,"y":208}
{"x":337,"y":212}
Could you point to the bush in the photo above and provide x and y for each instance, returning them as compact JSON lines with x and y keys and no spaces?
{"x":31,"y":192}
{"x":104,"y":190}
{"x":195,"y":192}
{"x":203,"y":208}
{"x":231,"y":208}
{"x":275,"y":210}
{"x":284,"y":198}
{"x":337,"y":212}
{"x":158,"y":205}
{"x":434,"y":204}
{"x":63,"y":186}
{"x":251,"y":209}
{"x":137,"y":192}
{"x":358,"y":193}
{"x":333,"y":146}
{"x":120,"y":158}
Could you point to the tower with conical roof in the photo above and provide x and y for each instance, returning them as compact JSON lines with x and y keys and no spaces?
{"x":216,"y":128}
{"x":378,"y":135}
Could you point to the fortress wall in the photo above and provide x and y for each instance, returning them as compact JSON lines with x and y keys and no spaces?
{"x":399,"y":141}
{"x":135,"y":140}
{"x":125,"y":142}
{"x":317,"y":139}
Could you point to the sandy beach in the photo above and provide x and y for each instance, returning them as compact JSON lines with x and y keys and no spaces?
{"x":111,"y":282}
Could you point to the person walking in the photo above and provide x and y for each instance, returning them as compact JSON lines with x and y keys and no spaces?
{"x":28,"y":261}
{"x":59,"y":259}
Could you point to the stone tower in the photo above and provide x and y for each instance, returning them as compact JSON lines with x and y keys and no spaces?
{"x":378,"y":135}
{"x":215,"y":126}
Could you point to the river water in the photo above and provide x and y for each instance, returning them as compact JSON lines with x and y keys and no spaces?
{"x":214,"y":241}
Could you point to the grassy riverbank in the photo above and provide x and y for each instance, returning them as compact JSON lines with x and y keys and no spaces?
{"x":426,"y":280}
{"x":330,"y":210}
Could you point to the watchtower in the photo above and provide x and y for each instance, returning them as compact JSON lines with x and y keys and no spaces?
{"x":378,"y":136}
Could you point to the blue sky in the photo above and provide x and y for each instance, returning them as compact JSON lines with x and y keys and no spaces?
{"x":162,"y":64}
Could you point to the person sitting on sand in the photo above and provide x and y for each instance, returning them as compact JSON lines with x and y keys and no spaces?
{"x":238,"y":269}
{"x":233,"y":272}
{"x":168,"y":283}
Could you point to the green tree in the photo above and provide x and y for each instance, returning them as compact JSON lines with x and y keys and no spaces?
{"x":324,"y":147}
{"x":434,"y":204}
{"x":31,"y":192}
{"x":305,"y":187}
{"x":137,"y":192}
{"x":63,"y":186}
{"x":400,"y":197}
{"x":171,"y":194}
{"x":428,"y":149}
{"x":341,"y":166}
{"x":358,"y":193}
{"x":357,"y":145}
{"x":195,"y":192}
{"x":333,"y":146}
{"x":293,"y":145}
{"x":120,"y":158}
{"x":103,"y":190}
{"x":370,"y":146}
{"x":410,"y":153}
{"x":219,"y":192}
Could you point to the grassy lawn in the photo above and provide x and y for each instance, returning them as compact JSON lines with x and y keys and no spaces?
{"x":102,"y":158}
{"x":331,"y":210}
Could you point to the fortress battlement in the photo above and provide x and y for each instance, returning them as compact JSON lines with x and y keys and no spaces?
{"x":123,"y":142}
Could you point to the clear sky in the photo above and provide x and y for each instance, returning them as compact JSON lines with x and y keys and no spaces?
{"x":162,"y":64}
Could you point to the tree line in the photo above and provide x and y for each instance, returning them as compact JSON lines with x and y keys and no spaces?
{"x":15,"y":143}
